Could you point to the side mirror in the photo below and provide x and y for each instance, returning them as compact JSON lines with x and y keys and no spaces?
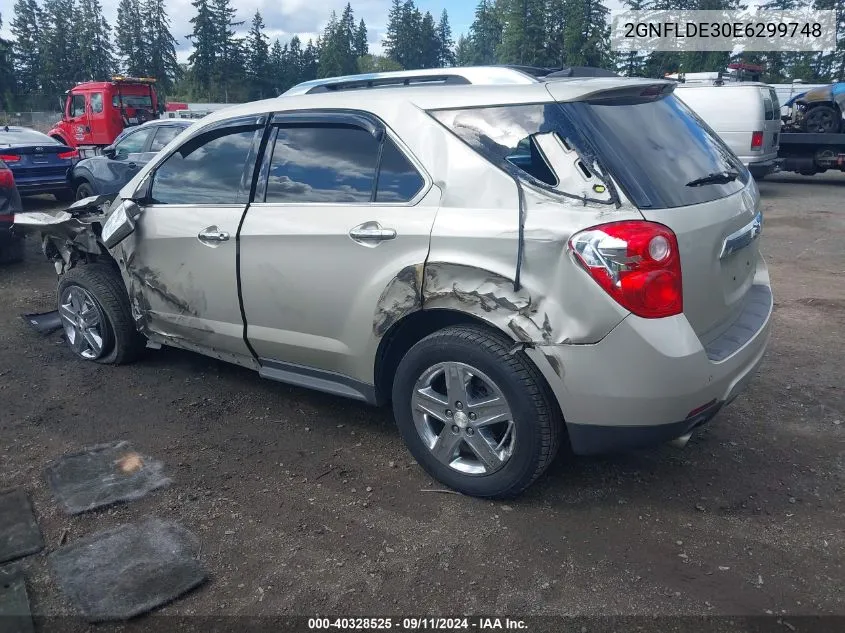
{"x":120,"y":223}
{"x":109,"y":151}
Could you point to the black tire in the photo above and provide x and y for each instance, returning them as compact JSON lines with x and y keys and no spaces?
{"x":84,"y":190}
{"x":104,"y":284}
{"x":537,"y":419}
{"x":823,"y":119}
{"x":66,"y":195}
{"x":11,"y":247}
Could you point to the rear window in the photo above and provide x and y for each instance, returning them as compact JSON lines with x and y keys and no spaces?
{"x":132,"y":101}
{"x":658,"y":151}
{"x":21,"y":136}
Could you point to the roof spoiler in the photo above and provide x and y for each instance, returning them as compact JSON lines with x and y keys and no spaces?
{"x":632,"y":91}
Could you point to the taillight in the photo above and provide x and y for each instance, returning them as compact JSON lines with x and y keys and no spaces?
{"x":7,"y":178}
{"x":71,"y":154}
{"x":635,"y":262}
{"x":756,"y":140}
{"x":9,"y":158}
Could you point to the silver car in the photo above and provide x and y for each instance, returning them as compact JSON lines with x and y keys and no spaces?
{"x":510,"y":267}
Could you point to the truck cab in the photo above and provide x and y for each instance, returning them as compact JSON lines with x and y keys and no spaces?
{"x":95,"y":112}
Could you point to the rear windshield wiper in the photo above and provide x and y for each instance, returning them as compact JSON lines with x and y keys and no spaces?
{"x":718,"y":178}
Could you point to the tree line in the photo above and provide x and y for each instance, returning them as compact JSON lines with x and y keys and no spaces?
{"x":57,"y":43}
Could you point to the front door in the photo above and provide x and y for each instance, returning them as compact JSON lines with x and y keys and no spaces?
{"x":77,"y":115}
{"x":339,"y":211}
{"x":181,"y":260}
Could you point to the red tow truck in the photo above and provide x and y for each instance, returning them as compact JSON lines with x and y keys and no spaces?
{"x":95,"y":112}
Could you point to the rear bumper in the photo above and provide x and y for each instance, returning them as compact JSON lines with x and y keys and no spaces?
{"x":759,"y":168}
{"x":47,"y":185}
{"x":651,"y":380}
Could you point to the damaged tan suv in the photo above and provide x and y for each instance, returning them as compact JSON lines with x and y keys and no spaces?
{"x":509,"y":266}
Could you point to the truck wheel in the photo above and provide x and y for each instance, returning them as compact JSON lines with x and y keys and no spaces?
{"x":84,"y":190}
{"x":96,"y":315}
{"x":477,"y":417}
{"x":822,"y":118}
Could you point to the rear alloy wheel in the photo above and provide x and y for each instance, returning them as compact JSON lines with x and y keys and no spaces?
{"x":84,"y":190}
{"x":96,"y":315}
{"x":822,"y":118}
{"x":476,"y":416}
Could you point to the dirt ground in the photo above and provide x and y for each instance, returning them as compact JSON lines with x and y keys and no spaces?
{"x":309,"y":504}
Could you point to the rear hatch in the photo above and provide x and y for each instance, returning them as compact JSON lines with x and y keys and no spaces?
{"x":680,"y":174}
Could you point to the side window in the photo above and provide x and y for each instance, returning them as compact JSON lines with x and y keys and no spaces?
{"x":133,"y":143}
{"x":207,"y":169}
{"x":77,"y":106}
{"x":769,"y":108}
{"x":529,"y":158}
{"x":322,"y":164}
{"x":164,"y":134}
{"x":398,"y":180}
{"x":97,"y":102}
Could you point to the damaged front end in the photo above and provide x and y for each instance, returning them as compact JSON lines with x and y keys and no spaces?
{"x":71,"y":235}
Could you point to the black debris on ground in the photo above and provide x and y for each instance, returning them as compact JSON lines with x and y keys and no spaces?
{"x":44,"y":323}
{"x":19,"y":533}
{"x":103,"y":475}
{"x":122,"y":572}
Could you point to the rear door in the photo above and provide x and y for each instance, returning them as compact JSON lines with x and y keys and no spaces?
{"x":341,"y":208}
{"x":181,"y":260}
{"x":771,"y":123}
{"x":682,"y":175}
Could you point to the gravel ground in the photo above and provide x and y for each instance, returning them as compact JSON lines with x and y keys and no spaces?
{"x":307,"y":503}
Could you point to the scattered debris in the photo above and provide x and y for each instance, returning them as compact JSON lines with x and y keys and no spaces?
{"x":15,"y":615}
{"x":448,"y":492}
{"x":320,"y":476}
{"x":121,"y":572}
{"x":103,"y":475}
{"x":45,"y":323}
{"x":19,"y":533}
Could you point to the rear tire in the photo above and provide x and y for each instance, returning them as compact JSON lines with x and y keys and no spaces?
{"x":84,"y":190}
{"x":97,"y":290}
{"x":479,"y":363}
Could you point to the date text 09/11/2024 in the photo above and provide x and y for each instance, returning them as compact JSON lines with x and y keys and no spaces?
{"x":417,"y":624}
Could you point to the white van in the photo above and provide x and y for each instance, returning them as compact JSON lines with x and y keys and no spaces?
{"x":745,"y":115}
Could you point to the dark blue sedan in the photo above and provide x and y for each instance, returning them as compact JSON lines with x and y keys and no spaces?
{"x":39,"y":163}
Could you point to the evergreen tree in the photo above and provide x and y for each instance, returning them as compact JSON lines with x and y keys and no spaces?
{"x":60,"y":64}
{"x":309,"y":63}
{"x":464,"y":53}
{"x":632,"y":63}
{"x":95,"y":54}
{"x":229,"y":69}
{"x":258,"y":59}
{"x":295,"y":64}
{"x":430,"y":49}
{"x":485,"y":33}
{"x":361,"y":46}
{"x":204,"y":56}
{"x":446,"y":56}
{"x":129,"y":38}
{"x":26,"y":49}
{"x":160,"y":46}
{"x":7,"y":75}
{"x":523,"y":32}
{"x":276,"y":67}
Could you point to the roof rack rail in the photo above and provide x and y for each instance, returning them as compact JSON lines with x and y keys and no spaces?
{"x":390,"y":82}
{"x":580,"y":71}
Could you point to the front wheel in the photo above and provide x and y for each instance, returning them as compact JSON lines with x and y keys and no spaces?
{"x":96,"y":315}
{"x":84,"y":190}
{"x":477,"y":417}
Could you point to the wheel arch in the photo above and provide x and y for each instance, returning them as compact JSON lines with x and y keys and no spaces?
{"x":411,"y":329}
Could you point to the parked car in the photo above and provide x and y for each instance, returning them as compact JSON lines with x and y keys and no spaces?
{"x":40,"y":164}
{"x":11,"y":245}
{"x":119,"y":162}
{"x":745,"y":115}
{"x":383,"y":246}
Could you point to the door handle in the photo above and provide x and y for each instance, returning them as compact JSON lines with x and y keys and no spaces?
{"x":213,"y":234}
{"x":371,"y":233}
